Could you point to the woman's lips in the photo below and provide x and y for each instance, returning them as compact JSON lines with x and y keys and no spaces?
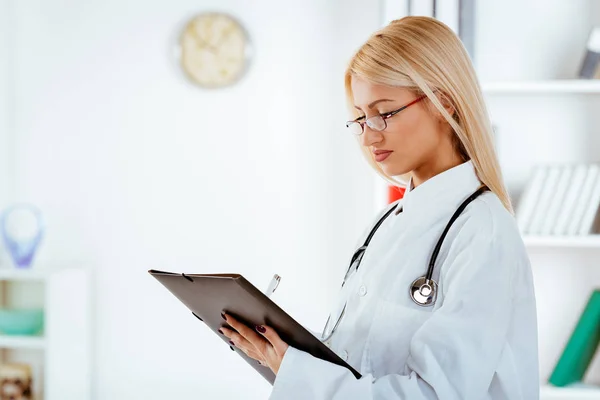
{"x":382,"y":156}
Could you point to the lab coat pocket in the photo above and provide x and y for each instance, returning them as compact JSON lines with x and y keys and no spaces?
{"x":394,"y":325}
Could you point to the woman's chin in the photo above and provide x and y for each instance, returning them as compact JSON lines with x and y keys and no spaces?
{"x":394,"y":170}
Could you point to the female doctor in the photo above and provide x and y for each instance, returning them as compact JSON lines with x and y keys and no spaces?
{"x":440,"y":303}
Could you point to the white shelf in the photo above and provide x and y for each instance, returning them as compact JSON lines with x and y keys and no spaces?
{"x":15,"y":274}
{"x":574,"y":392}
{"x":22,"y":342}
{"x":39,"y":273}
{"x":573,"y":86}
{"x":590,"y":241}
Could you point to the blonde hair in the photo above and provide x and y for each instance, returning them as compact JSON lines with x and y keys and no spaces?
{"x":424,"y":55}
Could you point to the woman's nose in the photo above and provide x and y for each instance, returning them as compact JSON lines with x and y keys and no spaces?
{"x":370,"y":137}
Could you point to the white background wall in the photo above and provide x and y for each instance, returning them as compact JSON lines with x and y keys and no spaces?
{"x":6,"y":64}
{"x":135,"y":169}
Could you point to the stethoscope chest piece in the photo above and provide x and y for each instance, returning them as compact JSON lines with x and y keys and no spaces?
{"x":423,"y":291}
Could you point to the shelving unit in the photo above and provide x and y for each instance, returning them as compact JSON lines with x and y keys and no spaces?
{"x":542,"y":113}
{"x":545,"y":114}
{"x":61,"y":355}
{"x":25,"y":275}
{"x":575,"y":242}
{"x":577,"y":392}
{"x":22,"y":342}
{"x":563,"y":86}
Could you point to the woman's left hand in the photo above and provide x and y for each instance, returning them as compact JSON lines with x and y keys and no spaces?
{"x":265,"y":346}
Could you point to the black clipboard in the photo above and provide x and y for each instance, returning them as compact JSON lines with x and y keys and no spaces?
{"x":208,"y":295}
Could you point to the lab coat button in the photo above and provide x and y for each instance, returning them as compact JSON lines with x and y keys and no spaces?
{"x":362,"y":290}
{"x":344,"y":355}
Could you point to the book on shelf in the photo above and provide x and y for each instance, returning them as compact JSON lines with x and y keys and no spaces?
{"x":590,"y":213}
{"x":561,"y":199}
{"x":581,"y":345}
{"x":557,"y":199}
{"x":590,"y":67}
{"x":571,"y":196}
{"x":583,"y":200}
{"x":526,"y":207}
{"x":545,"y":199}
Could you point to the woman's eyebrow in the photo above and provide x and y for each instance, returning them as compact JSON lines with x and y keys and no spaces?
{"x":373,"y":103}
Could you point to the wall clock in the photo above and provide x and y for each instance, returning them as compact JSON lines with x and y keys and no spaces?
{"x":214,"y":50}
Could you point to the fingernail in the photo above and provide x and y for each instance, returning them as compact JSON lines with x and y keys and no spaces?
{"x":232,"y":349}
{"x":223,"y":315}
{"x":260,"y":328}
{"x":232,"y":342}
{"x":221,"y":332}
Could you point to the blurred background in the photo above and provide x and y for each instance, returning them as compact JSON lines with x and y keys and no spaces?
{"x":120,"y":152}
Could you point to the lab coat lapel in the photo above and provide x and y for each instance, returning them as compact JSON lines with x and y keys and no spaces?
{"x":439,"y":196}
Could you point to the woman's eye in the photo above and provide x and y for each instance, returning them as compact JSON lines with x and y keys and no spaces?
{"x":359,"y":118}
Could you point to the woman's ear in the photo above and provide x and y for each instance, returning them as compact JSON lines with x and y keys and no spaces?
{"x":444,"y":99}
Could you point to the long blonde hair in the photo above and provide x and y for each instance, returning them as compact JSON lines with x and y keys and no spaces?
{"x":424,"y":55}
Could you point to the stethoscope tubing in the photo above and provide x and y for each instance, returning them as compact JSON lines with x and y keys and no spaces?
{"x":440,"y":241}
{"x":425,"y":286}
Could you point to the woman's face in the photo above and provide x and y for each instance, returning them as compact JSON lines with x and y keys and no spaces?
{"x":420,"y":141}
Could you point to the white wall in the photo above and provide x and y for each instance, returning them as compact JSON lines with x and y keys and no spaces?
{"x":136,"y":169}
{"x":6,"y":91}
{"x":4,"y":68}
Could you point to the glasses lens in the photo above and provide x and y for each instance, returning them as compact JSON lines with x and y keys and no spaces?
{"x":377,"y":123}
{"x":354,"y":127}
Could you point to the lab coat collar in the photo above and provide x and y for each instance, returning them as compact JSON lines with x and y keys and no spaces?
{"x":445,"y":190}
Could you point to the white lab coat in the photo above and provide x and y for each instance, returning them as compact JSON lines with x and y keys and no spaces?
{"x":479,"y":340}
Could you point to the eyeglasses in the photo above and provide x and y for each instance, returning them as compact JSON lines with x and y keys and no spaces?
{"x":377,"y":122}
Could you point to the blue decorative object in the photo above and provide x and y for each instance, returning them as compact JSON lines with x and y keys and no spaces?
{"x":21,"y":321}
{"x":22,"y":229}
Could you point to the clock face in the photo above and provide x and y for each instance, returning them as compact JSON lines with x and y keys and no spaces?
{"x":214,"y":50}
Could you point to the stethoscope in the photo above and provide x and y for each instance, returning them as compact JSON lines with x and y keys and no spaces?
{"x":423,"y":290}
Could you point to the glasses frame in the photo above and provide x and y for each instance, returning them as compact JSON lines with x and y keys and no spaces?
{"x":383,"y":116}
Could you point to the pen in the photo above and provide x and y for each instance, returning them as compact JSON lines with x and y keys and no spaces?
{"x":273,"y":285}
